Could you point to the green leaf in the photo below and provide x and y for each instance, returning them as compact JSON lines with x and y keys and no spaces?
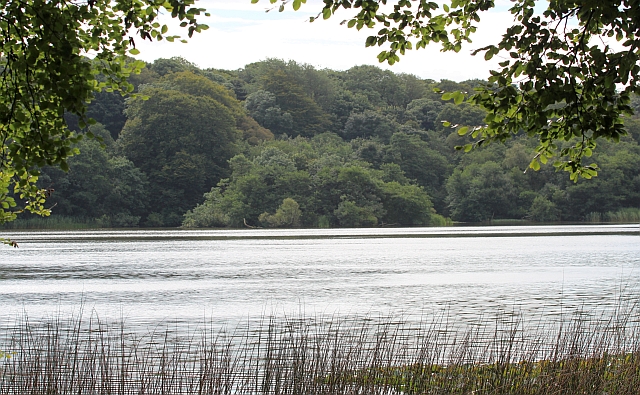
{"x":463,"y":130}
{"x":458,"y":97}
{"x":535,"y":165}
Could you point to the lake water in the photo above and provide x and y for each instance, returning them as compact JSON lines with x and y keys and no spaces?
{"x":184,"y":276}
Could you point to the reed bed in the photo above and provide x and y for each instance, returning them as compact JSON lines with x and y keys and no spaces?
{"x":625,"y":215}
{"x":34,"y":222}
{"x":587,"y":353}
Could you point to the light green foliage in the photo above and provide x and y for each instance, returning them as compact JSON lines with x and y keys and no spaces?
{"x":561,"y":79}
{"x":44,"y":73}
{"x":287,"y":215}
{"x":310,"y":182}
{"x":406,"y":204}
{"x":350,"y":215}
{"x":627,"y":215}
{"x":209,"y":214}
{"x":542,"y":210}
{"x":381,"y":87}
{"x":162,"y":67}
{"x":315,"y":84}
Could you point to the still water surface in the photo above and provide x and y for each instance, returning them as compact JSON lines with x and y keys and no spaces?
{"x":190,"y":276}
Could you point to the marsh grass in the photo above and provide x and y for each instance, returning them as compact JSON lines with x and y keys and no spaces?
{"x":625,"y":215}
{"x":53,"y":222}
{"x":587,"y":353}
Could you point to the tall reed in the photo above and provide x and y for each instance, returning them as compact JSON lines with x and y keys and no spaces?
{"x":586,"y":354}
{"x":54,"y":222}
{"x":625,"y":215}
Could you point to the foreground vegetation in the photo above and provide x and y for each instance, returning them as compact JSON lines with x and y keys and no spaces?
{"x":588,"y":354}
{"x":282,"y":144}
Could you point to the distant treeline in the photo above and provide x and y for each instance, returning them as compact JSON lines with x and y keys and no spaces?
{"x":285,"y":144}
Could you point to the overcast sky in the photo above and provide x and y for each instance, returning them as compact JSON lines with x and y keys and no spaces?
{"x":240,"y":33}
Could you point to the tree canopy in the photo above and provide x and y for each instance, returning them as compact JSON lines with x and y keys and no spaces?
{"x":46,"y":72}
{"x":200,"y":145}
{"x":181,"y":137}
{"x":567,"y":78}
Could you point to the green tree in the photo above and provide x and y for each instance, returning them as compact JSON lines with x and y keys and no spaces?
{"x":45,"y":73}
{"x":413,"y":87}
{"x":107,"y":109}
{"x":460,"y":115}
{"x":345,"y":104}
{"x":619,"y":186}
{"x":98,"y":185}
{"x":368,"y":124}
{"x":360,"y":185}
{"x":559,"y":80}
{"x":315,"y":84}
{"x":371,"y":151}
{"x":311,"y":182}
{"x":194,"y":84}
{"x":164,"y":66}
{"x":263,"y":108}
{"x":254,"y":188}
{"x":307,"y":116}
{"x":287,"y":215}
{"x":182,"y":138}
{"x":542,"y":210}
{"x":406,"y":205}
{"x":425,"y":112}
{"x":351,"y":215}
{"x":381,"y":87}
{"x":215,"y":212}
{"x":420,"y":162}
{"x":481,"y":192}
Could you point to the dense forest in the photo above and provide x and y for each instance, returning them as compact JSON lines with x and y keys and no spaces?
{"x":279,"y":144}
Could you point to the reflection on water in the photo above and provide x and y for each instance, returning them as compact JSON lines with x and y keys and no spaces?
{"x":146,"y":276}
